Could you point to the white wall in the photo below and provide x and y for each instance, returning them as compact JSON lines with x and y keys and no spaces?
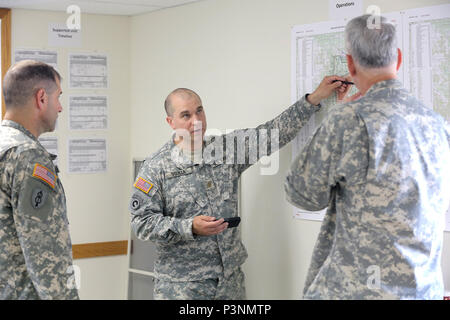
{"x":97,"y":203}
{"x":236,"y":55}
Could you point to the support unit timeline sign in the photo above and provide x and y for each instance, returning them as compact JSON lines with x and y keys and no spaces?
{"x":423,"y":36}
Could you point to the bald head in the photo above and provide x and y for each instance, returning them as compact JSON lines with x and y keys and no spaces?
{"x":25,"y":78}
{"x":183,"y":93}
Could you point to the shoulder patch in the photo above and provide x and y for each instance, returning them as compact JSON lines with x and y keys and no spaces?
{"x":143,"y":185}
{"x":38,"y":198}
{"x":44,"y":174}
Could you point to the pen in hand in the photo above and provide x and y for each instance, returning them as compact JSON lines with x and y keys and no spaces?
{"x":343,"y":81}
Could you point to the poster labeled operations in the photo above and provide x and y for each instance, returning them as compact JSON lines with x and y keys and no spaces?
{"x":88,"y":112}
{"x":87,"y":155}
{"x":88,"y":71}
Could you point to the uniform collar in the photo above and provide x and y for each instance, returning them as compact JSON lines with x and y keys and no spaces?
{"x":17,"y":126}
{"x":181,"y":158}
{"x":385,"y":84}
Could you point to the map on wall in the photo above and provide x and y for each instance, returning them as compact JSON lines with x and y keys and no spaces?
{"x":423,"y":36}
{"x":428,"y":59}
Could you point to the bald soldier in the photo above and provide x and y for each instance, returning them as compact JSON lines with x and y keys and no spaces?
{"x":35,"y":246}
{"x":180,"y":199}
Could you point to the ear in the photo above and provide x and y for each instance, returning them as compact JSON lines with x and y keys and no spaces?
{"x":169,"y":120}
{"x":351,"y":65}
{"x":399,"y":58}
{"x":40,"y":98}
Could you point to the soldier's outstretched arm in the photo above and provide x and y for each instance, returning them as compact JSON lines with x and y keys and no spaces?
{"x":281,"y":129}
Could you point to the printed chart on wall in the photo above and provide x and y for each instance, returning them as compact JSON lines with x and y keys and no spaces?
{"x":87,"y":112}
{"x":88,"y":71}
{"x":423,"y":36}
{"x":51,"y":145}
{"x":46,"y":56}
{"x":87,"y":155}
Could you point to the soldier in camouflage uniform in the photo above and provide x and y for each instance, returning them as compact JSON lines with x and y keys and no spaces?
{"x":381,"y":166}
{"x":35,"y":246}
{"x":179,"y":201}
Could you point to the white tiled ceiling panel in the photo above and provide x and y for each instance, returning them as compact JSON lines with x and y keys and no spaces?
{"x":115,"y":7}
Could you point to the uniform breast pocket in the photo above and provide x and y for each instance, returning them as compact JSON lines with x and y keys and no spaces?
{"x":184,"y":198}
{"x":229,"y":199}
{"x":225,"y":176}
{"x":227,"y":191}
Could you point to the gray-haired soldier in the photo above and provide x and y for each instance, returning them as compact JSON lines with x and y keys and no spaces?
{"x":35,"y":245}
{"x":381,"y":166}
{"x":180,"y":203}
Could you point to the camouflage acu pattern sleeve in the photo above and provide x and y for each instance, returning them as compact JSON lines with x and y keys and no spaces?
{"x":42,"y":229}
{"x":337,"y":153}
{"x":290,"y":122}
{"x":270,"y":136}
{"x":147,"y":218}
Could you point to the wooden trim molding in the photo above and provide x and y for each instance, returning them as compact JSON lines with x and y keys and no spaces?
{"x":99,"y":249}
{"x":5,"y":16}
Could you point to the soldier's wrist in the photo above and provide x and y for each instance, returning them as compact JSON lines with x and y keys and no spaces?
{"x":312,"y":99}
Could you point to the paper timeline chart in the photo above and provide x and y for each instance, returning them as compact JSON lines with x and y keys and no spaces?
{"x":87,"y":155}
{"x":46,"y":56}
{"x":319,"y":49}
{"x":88,"y":112}
{"x":51,"y":145}
{"x":88,"y":71}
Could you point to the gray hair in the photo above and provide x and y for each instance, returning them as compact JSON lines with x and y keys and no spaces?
{"x":25,"y":78}
{"x":371,"y":47}
{"x":182,"y":92}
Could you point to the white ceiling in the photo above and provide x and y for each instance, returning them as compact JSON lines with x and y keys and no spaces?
{"x":115,"y":7}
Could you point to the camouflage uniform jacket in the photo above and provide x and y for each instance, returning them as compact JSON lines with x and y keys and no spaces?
{"x":35,"y":246}
{"x":381,"y":166}
{"x":169,"y":192}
